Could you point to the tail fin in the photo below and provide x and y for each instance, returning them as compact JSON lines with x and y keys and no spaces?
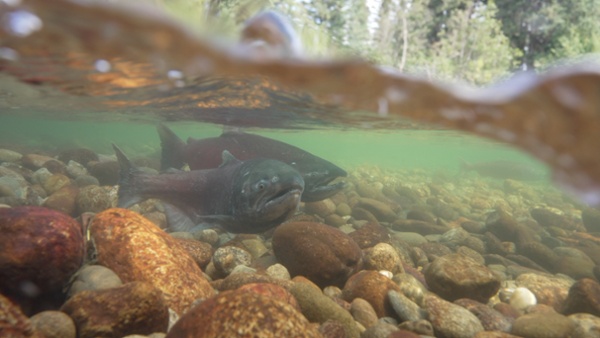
{"x":172,"y":155}
{"x":127,"y":194}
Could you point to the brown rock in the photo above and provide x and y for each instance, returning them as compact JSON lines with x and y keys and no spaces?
{"x":334,"y":220}
{"x":13,"y":323}
{"x":420,"y":215}
{"x":372,"y":287}
{"x":93,"y":198}
{"x":343,"y":209}
{"x":39,"y":246}
{"x":54,"y":324}
{"x":382,"y":211}
{"x":363,"y":215}
{"x":332,"y":329}
{"x":137,"y":250}
{"x":457,"y":276}
{"x":548,"y":290}
{"x":383,"y":256}
{"x":370,"y":234}
{"x":543,"y":324}
{"x":323,"y":254}
{"x":34,"y":161}
{"x":242,"y":314}
{"x":273,"y":291}
{"x":548,"y":219}
{"x":541,"y":254}
{"x":584,"y":296}
{"x":55,"y":182}
{"x":134,"y":308}
{"x":506,"y":228}
{"x":450,"y":320}
{"x":63,"y":200}
{"x":320,"y":208}
{"x":363,"y":312}
{"x":236,"y":280}
{"x":319,"y":308}
{"x":491,"y":319}
{"x":201,"y":252}
{"x":433,"y":250}
{"x":420,"y":227}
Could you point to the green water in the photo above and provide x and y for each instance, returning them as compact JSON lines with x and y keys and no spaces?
{"x":402,"y":149}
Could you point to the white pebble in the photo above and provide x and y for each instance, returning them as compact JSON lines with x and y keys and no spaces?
{"x":522,"y":298}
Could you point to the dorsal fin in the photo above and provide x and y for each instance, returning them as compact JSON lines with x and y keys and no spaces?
{"x":228,"y":159}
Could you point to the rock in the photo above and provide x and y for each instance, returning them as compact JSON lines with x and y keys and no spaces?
{"x":323,"y":254}
{"x":134,"y":308}
{"x":7,"y":155}
{"x":54,"y":324}
{"x":406,"y":309}
{"x":491,"y":319}
{"x":548,"y":290}
{"x":343,"y":209}
{"x":137,"y":250}
{"x":55,"y":182}
{"x":107,"y":172}
{"x":278,"y":271}
{"x":321,"y":208}
{"x":201,"y":252}
{"x":273,"y":291}
{"x":382,"y":257}
{"x":75,"y":169}
{"x":574,"y":263}
{"x":591,"y":219}
{"x":93,"y":198}
{"x":63,"y":200}
{"x":543,"y":325}
{"x":420,"y":327}
{"x":421,"y":215}
{"x":319,"y":308}
{"x":363,"y":215}
{"x":55,"y":167}
{"x":370,"y":234}
{"x":380,"y":210}
{"x":13,"y":323}
{"x":506,"y":228}
{"x":586,"y":325}
{"x":380,"y":330}
{"x":541,"y":254}
{"x":495,"y":334}
{"x":456,"y":276}
{"x":433,"y":250}
{"x":584,"y":296}
{"x":420,"y":227}
{"x":227,"y":258}
{"x":234,"y":281}
{"x":334,"y":220}
{"x":332,"y":329}
{"x":27,"y":232}
{"x":93,"y":277}
{"x":79,"y":155}
{"x":548,"y":219}
{"x":34,"y":161}
{"x":372,"y":287}
{"x":450,"y":320}
{"x":522,"y":298}
{"x":363,"y":312}
{"x":85,"y":180}
{"x":240,"y":313}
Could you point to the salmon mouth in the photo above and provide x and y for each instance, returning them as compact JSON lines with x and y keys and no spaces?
{"x":285,"y":196}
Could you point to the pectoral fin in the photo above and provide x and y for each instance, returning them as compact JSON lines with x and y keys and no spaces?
{"x":177,"y":219}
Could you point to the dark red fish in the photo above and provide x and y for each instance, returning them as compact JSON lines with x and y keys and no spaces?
{"x":206,"y":153}
{"x":505,"y":169}
{"x":240,"y":196}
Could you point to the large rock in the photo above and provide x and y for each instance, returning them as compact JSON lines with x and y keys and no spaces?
{"x":543,"y":324}
{"x":13,"y":323}
{"x":137,"y":250}
{"x":240,"y":313}
{"x":548,"y":290}
{"x":321,"y":253}
{"x":319,"y":308}
{"x":134,"y":308}
{"x":450,"y":320}
{"x":457,"y":276}
{"x":584,"y":296}
{"x":40,"y":247}
{"x":372,"y":287}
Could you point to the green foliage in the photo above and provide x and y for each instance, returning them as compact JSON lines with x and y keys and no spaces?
{"x":475,"y":41}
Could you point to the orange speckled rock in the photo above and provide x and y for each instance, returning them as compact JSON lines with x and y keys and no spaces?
{"x":13,"y":323}
{"x":240,"y":313}
{"x":372,"y":287}
{"x":137,"y":250}
{"x":272,"y":290}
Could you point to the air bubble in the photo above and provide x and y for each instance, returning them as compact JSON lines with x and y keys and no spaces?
{"x":175,"y":75}
{"x":22,"y":23}
{"x":8,"y":54}
{"x":102,"y":65}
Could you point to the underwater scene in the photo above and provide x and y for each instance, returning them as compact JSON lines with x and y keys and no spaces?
{"x":360,"y":168}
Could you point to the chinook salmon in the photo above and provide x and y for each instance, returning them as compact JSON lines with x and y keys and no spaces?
{"x":240,"y":196}
{"x":206,"y":153}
